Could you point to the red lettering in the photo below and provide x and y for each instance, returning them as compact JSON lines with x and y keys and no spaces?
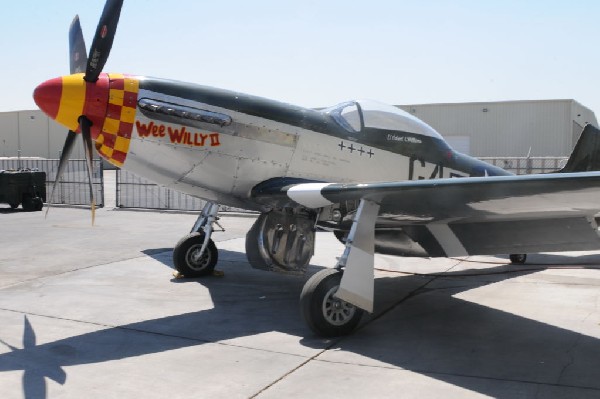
{"x":182,"y":136}
{"x":202,"y":138}
{"x":214,"y":140}
{"x":143,"y":129}
{"x":176,"y":135}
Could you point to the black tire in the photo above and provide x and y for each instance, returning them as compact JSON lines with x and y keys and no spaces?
{"x":28,"y":203}
{"x":32,"y":204}
{"x":14,"y":205}
{"x":38,"y":204}
{"x":324,"y":314}
{"x":518,"y":259}
{"x":184,"y":256}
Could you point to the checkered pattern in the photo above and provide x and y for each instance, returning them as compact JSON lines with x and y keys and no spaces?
{"x":113,"y":142}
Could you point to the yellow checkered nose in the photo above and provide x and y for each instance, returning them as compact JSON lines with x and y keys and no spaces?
{"x":109,"y":104}
{"x":112,"y":142}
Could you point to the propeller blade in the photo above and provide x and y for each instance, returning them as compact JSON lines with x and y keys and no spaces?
{"x":103,"y":39}
{"x":77,"y":51}
{"x":64,"y":157}
{"x":86,"y":125}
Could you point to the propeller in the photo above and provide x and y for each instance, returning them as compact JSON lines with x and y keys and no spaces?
{"x":77,"y":51}
{"x":103,"y":40}
{"x":86,"y":126}
{"x":79,"y":61}
{"x":64,"y":156}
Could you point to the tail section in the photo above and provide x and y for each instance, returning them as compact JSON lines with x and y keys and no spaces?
{"x":586,"y":154}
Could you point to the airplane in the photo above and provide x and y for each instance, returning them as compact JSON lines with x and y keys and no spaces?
{"x":379,"y":178}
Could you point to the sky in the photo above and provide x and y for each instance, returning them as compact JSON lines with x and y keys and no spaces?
{"x":319,"y":53}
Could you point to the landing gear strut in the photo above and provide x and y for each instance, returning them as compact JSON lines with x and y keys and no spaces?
{"x":196,"y":254}
{"x":332,"y":301}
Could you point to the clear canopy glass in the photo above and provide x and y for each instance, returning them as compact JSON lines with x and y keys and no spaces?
{"x":356,"y":115}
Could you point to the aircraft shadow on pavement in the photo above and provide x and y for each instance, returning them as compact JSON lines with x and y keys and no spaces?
{"x":431,"y":332}
{"x":4,"y":210}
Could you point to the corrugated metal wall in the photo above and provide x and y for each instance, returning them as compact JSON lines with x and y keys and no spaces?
{"x":580,"y":116}
{"x":508,"y":128}
{"x":34,"y":134}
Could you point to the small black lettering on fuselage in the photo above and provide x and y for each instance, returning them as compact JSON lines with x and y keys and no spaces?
{"x":404,"y":139}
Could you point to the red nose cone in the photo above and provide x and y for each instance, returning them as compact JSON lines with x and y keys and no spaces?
{"x":47,"y":96}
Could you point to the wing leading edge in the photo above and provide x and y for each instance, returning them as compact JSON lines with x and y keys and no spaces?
{"x":468,"y":216}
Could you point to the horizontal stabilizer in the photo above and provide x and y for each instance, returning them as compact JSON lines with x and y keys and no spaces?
{"x":586,"y":155}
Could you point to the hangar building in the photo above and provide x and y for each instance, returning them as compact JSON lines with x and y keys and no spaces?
{"x":485,"y":129}
{"x":550,"y":128}
{"x":33,"y":134}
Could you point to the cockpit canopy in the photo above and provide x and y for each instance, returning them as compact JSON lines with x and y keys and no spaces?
{"x":355,"y":116}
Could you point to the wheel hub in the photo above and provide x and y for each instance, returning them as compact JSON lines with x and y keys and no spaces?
{"x":195,"y":260}
{"x":335,"y":310}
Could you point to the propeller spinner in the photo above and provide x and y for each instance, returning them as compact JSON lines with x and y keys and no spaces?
{"x":79,"y":101}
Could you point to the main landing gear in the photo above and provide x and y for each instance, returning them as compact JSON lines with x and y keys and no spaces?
{"x":326,"y":314}
{"x":196,"y":254}
{"x":333,"y":300}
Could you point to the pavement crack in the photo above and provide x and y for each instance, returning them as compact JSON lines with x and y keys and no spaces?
{"x":360,"y":327}
{"x":301,"y":365}
{"x":416,"y":291}
{"x":155,"y":333}
{"x":571,"y":358}
{"x":460,"y":375}
{"x":64,"y":272}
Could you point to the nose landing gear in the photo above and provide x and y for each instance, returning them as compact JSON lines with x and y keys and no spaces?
{"x":196,"y":254}
{"x":190,"y":260}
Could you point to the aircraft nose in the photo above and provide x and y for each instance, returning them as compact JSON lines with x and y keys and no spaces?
{"x":63,"y":99}
{"x":47,"y":96}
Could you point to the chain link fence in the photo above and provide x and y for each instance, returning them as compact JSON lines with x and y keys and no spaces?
{"x":136,"y":192}
{"x":72,"y":189}
{"x":528,"y":165}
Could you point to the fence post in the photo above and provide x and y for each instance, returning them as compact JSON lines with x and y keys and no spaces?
{"x":61,"y":185}
{"x":117,"y":173}
{"x":102,"y":182}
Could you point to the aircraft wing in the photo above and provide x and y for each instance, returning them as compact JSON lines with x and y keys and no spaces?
{"x":468,"y":216}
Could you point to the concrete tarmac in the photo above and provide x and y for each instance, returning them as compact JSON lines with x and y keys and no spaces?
{"x":94,"y":312}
